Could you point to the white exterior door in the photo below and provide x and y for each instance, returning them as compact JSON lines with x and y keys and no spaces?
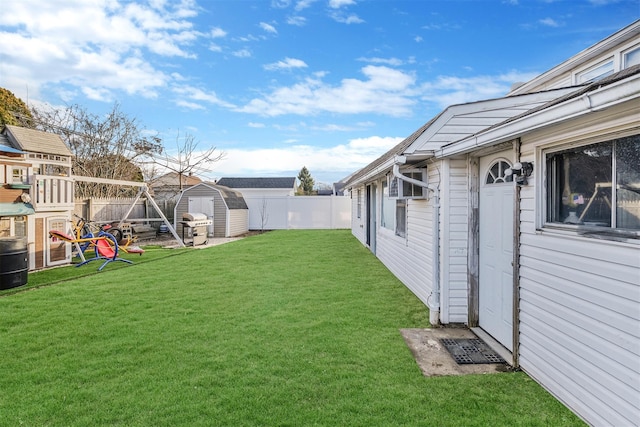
{"x":203,"y":205}
{"x":495,"y":314}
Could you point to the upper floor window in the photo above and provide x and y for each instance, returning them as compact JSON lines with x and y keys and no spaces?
{"x":620,"y":60}
{"x":595,"y":185}
{"x":631,"y":57}
{"x":596,"y":72}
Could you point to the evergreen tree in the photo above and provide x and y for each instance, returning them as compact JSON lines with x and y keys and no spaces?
{"x":13,"y":111}
{"x":306,"y":181}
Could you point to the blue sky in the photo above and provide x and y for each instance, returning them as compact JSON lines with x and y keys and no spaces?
{"x":281,"y":84}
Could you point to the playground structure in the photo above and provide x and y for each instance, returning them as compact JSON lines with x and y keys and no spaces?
{"x":143,"y":190}
{"x":107,"y":241}
{"x":105,"y":245}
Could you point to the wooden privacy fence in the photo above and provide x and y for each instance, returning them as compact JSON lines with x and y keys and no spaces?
{"x":299,"y":212}
{"x":110,"y":209}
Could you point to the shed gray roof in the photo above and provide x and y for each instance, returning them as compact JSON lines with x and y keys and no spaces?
{"x":37,"y":141}
{"x":269,"y":182}
{"x":232,"y":198}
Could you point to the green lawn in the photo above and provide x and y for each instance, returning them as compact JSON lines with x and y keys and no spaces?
{"x":287,"y":328}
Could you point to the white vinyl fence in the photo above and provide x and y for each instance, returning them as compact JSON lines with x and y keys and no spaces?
{"x":299,"y":212}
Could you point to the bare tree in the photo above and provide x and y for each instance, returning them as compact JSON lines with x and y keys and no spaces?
{"x":264,"y":215}
{"x":187,"y":160}
{"x":108,"y":146}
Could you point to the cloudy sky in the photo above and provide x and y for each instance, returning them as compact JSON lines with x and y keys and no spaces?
{"x":281,"y":84}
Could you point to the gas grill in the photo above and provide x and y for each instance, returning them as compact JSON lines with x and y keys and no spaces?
{"x":194,"y":226}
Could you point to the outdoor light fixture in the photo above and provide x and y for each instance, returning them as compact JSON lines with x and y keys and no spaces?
{"x":520,"y":172}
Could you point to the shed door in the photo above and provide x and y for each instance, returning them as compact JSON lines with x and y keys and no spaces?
{"x":203,"y":205}
{"x":495,"y":313}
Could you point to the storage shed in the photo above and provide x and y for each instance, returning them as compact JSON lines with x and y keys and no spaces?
{"x":224,"y":206}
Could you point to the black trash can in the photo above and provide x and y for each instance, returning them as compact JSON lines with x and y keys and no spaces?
{"x":14,"y":262}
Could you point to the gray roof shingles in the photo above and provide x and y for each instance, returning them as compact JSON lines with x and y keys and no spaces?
{"x":269,"y":182}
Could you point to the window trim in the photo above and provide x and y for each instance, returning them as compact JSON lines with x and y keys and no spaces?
{"x":617,"y":57}
{"x":401,"y":233}
{"x":542,"y":221}
{"x":397,"y":185}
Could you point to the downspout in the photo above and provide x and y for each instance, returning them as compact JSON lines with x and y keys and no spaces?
{"x":516,"y":264}
{"x":434,"y":298}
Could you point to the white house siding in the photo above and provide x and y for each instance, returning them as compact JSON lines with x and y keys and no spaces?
{"x":454,"y":240}
{"x":579,"y":301}
{"x":358,"y":224}
{"x":410,"y":258}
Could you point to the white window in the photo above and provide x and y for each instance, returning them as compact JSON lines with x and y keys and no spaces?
{"x":19,"y":175}
{"x":401,"y":189}
{"x":401,"y":217}
{"x":5,"y":226}
{"x":595,"y":186}
{"x":631,"y":57}
{"x":596,"y":72}
{"x":359,"y":203}
{"x":388,"y":208}
{"x":13,"y":226}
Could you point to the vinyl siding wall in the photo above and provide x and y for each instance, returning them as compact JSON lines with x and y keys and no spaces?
{"x":238,"y":222}
{"x":454,"y":240}
{"x":410,"y":258}
{"x":358,"y":224}
{"x":579,"y":298}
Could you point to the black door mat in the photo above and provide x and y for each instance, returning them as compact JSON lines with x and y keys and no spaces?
{"x":467,"y":351}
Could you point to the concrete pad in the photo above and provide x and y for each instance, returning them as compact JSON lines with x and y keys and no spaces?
{"x":434,"y":359}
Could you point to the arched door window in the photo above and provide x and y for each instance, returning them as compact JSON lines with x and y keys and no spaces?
{"x":496,"y":175}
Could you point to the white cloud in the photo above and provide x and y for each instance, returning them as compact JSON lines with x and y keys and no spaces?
{"x":189,"y":105}
{"x":337,"y":161}
{"x":549,"y":22}
{"x":268,"y":28}
{"x":242,"y":53}
{"x":451,"y":90}
{"x":101,"y":58}
{"x":191,"y":94}
{"x":256,"y":125}
{"x":395,"y":62}
{"x":337,"y":4}
{"x":303,"y":4}
{"x":218,"y":33}
{"x":287,"y":64}
{"x":346,"y":19}
{"x":352,"y":96}
{"x":299,"y":21}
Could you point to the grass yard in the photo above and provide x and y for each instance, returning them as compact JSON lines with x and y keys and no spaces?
{"x":287,"y":328}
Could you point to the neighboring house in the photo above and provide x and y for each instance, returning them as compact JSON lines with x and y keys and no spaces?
{"x":169,"y":186}
{"x":520,"y":217}
{"x":224,"y":206}
{"x":259,"y":187}
{"x":36,"y":192}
